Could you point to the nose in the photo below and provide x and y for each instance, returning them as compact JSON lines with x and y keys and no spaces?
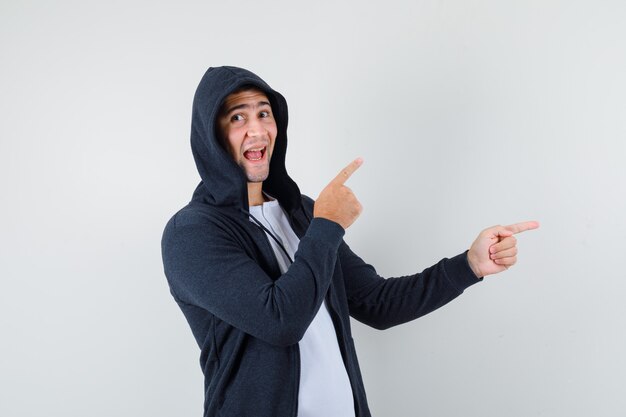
{"x":255,"y":128}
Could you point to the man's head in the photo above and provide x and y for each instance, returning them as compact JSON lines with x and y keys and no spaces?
{"x":247,"y":128}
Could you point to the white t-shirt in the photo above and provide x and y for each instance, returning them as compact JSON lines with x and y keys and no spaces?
{"x":325,"y":389}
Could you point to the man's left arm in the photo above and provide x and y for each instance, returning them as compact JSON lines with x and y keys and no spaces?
{"x":383,"y":303}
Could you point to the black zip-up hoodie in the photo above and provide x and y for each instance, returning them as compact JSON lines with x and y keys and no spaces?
{"x":246,"y":316}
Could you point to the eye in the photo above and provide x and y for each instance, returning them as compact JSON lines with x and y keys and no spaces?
{"x":236,"y":117}
{"x":264,"y":114}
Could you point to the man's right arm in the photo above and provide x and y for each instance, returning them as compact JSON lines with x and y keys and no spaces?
{"x":207,"y":267}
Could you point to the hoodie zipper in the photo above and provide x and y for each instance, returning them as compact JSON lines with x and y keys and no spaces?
{"x":297,"y":379}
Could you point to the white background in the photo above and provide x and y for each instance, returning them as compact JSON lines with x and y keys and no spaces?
{"x":467,"y":113}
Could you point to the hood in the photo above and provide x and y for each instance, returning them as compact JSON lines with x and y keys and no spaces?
{"x":224,"y":183}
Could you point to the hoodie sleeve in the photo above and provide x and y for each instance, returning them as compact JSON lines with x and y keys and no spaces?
{"x":206,"y":267}
{"x":383,"y":303}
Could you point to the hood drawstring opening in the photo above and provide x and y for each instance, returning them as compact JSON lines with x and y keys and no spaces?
{"x":260,"y":225}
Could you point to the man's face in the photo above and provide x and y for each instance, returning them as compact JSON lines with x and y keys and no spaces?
{"x":248,"y":128}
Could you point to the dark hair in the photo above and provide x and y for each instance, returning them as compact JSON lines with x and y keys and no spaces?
{"x":240,"y":89}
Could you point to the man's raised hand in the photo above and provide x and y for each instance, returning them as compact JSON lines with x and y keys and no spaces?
{"x":337,"y":202}
{"x":495,"y":250}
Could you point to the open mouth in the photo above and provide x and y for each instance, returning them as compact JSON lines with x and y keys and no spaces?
{"x":255,"y":154}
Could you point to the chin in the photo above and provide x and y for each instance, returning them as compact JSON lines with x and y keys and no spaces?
{"x":255,"y":172}
{"x":257,"y":176}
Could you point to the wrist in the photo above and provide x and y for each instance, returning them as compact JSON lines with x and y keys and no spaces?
{"x":473,"y":264}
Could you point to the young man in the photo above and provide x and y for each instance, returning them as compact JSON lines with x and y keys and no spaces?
{"x":263,"y":276}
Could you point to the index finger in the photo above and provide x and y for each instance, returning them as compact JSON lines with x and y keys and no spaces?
{"x":345,"y":173}
{"x":522,"y":227}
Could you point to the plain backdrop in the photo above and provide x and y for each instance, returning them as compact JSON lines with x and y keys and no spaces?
{"x":467,"y":113}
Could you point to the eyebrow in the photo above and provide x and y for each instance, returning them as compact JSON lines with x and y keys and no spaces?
{"x":245,"y":106}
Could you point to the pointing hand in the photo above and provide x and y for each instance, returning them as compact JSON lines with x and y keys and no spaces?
{"x":495,"y":250}
{"x":337,"y":202}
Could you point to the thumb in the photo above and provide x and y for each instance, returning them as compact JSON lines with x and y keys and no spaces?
{"x":499,"y":232}
{"x":505,"y":233}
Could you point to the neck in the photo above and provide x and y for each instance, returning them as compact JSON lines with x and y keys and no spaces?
{"x":255,"y":194}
